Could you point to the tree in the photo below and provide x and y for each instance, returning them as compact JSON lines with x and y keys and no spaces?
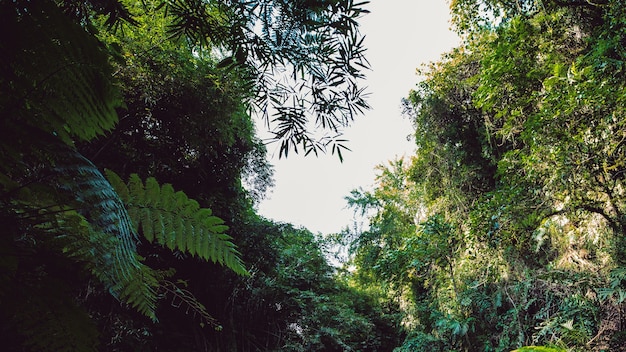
{"x":411,"y":254}
{"x":453,"y":138}
{"x":316,"y":311}
{"x":519,"y":151}
{"x":379,"y":249}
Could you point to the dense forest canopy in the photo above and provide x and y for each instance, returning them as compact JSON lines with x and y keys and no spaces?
{"x":128,"y":133}
{"x":506,"y":228}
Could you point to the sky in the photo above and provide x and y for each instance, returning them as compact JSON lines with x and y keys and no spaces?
{"x":401,"y":36}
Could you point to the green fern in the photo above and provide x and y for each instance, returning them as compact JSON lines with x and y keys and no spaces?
{"x":102,"y":234}
{"x":96,"y":250}
{"x":57,"y":86}
{"x":172,"y":220}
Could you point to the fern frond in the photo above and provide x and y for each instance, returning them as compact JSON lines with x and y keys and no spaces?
{"x":99,"y":203}
{"x":102,"y":233}
{"x":172,"y":220}
{"x":95,"y":249}
{"x":140,"y":292}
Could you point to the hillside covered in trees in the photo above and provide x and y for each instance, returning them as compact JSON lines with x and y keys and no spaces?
{"x":130,"y":169}
{"x":506,"y":228}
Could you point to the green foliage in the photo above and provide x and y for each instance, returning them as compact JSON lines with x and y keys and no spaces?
{"x":103,"y":208}
{"x":301,"y":63}
{"x":77,"y":215}
{"x":72,"y":235}
{"x":470,"y":17}
{"x":539,"y":349}
{"x":319,"y":48}
{"x":615,"y":291}
{"x":173,"y":220}
{"x":419,"y":341}
{"x":519,"y":151}
{"x":78,"y":210}
{"x":185,"y":120}
{"x":54,"y":74}
{"x":505,"y":229}
{"x":382,"y":250}
{"x":455,"y":156}
{"x":324,"y":313}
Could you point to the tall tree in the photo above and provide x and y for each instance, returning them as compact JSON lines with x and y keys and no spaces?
{"x":519,"y":147}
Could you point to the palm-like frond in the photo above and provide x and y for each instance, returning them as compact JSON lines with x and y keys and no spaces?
{"x":103,"y":234}
{"x":171,"y":219}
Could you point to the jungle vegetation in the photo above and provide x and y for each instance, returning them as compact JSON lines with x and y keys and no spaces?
{"x":506,"y":228}
{"x":130,"y":169}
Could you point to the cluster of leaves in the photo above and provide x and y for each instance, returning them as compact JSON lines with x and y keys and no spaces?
{"x":174,"y":221}
{"x":301,"y":62}
{"x":316,"y":310}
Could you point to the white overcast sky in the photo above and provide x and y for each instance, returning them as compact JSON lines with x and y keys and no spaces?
{"x":401,"y":35}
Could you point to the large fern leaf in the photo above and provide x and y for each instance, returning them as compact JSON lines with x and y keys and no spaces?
{"x":97,"y":250}
{"x":102,"y":233}
{"x":171,"y":219}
